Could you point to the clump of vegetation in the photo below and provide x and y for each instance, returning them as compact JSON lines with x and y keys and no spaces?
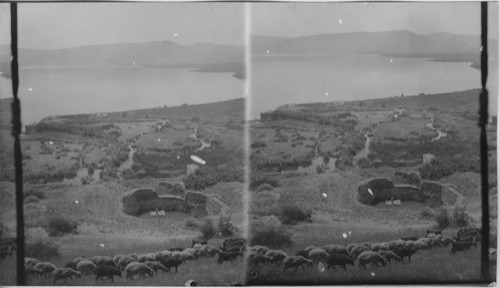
{"x":207,"y":228}
{"x":442,"y":218}
{"x":460,"y":216}
{"x":269,"y":232}
{"x":209,"y":176}
{"x":439,"y":168}
{"x":58,"y":226}
{"x":258,"y":144}
{"x":191,"y":222}
{"x":31,"y":199}
{"x":426,"y":213}
{"x":293,"y":214}
{"x":258,"y":181}
{"x":39,"y":246}
{"x":33,"y":192}
{"x":226,"y":227}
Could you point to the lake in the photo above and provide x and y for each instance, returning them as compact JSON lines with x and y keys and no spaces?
{"x":278,"y":80}
{"x":72,"y":90}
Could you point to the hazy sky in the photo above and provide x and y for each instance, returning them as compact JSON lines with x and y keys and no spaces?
{"x":299,"y":19}
{"x":62,"y":25}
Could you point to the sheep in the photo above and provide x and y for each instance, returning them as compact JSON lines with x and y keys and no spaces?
{"x":117,"y":258}
{"x":140,"y":268}
{"x":106,"y":271}
{"x":350,"y":246}
{"x":171,"y":263}
{"x":212,"y":251}
{"x":309,"y":248}
{"x":65,"y":273}
{"x":406,"y":251}
{"x":408,"y":238}
{"x":317,"y":255}
{"x":276,"y":256}
{"x":335,"y":259}
{"x":446,"y":240}
{"x":228,"y":256}
{"x":492,"y":256}
{"x":188,"y":254}
{"x":133,"y":255}
{"x":333,"y":248}
{"x":71,"y":265}
{"x":379,"y":246}
{"x":86,"y":267}
{"x":124,"y":261}
{"x":102,"y":260}
{"x":30,"y":261}
{"x":259,"y":248}
{"x":258,"y":258}
{"x":358,"y":250}
{"x":46,"y":267}
{"x":302,"y":253}
{"x":371,"y":258}
{"x":296,"y":261}
{"x":145,"y":257}
{"x":431,"y":235}
{"x":35,"y":272}
{"x":387,"y":254}
{"x":199,"y":242}
{"x":430,"y":231}
{"x":179,"y":249}
{"x":155,"y":265}
{"x":396,"y":244}
{"x":462,"y":245}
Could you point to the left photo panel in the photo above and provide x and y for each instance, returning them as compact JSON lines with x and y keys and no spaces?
{"x":133,"y":143}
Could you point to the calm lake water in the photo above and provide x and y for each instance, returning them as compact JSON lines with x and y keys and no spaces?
{"x":61,"y":91}
{"x":278,"y":80}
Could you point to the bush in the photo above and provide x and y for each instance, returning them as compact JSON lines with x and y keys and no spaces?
{"x":442,"y":218}
{"x":293,"y":214}
{"x":191,"y":222}
{"x":319,"y":169}
{"x":58,"y":226}
{"x":31,"y":199}
{"x":426,"y":213}
{"x":257,"y":181}
{"x":226,"y":227}
{"x":460,"y":216}
{"x":31,"y":192}
{"x":270,"y":234}
{"x":42,"y":248}
{"x":207,"y":228}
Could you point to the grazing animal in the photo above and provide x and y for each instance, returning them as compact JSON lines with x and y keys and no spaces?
{"x":257,"y":258}
{"x":212,"y":251}
{"x":333,"y":248}
{"x":337,"y":259}
{"x":65,"y":273}
{"x":430,"y":231}
{"x":155,"y":265}
{"x":30,"y":261}
{"x":358,"y":250}
{"x":117,"y":258}
{"x":71,"y":265}
{"x":406,"y":251}
{"x":446,"y":240}
{"x":303,"y":253}
{"x":469,"y":232}
{"x":140,"y":269}
{"x":188,"y":254}
{"x":259,"y":248}
{"x":462,"y":245}
{"x":98,"y":260}
{"x":317,"y":255}
{"x":492,"y":256}
{"x":296,"y":262}
{"x":124,"y":261}
{"x":176,"y":249}
{"x":371,"y":258}
{"x":171,"y":263}
{"x":228,"y":256}
{"x":46,"y":267}
{"x":32,"y":271}
{"x":309,"y":248}
{"x":387,"y":254}
{"x":409,"y":238}
{"x":276,"y":256}
{"x":234,"y":244}
{"x":106,"y":271}
{"x":199,"y":242}
{"x":86,"y":267}
{"x":145,"y":257}
{"x":379,"y":246}
{"x":350,"y":246}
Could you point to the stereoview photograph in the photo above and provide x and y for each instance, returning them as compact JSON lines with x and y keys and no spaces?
{"x":170,"y":144}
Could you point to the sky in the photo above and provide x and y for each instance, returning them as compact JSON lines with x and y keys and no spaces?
{"x":300,"y":19}
{"x":63,"y":25}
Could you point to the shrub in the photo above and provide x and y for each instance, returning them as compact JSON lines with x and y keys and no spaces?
{"x":31,"y":199}
{"x":59,"y":226}
{"x":270,"y":233}
{"x":326,"y":159}
{"x":292,"y":214}
{"x":264,"y":187}
{"x":207,"y":228}
{"x":31,"y":192}
{"x":191,"y":222}
{"x":226,"y":227}
{"x":426,"y":212}
{"x":460,"y":216}
{"x":442,"y":218}
{"x":319,"y":169}
{"x":257,"y":181}
{"x":41,"y":248}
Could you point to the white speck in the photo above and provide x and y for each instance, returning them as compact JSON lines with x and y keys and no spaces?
{"x":30,"y":89}
{"x":344,"y":235}
{"x":159,"y":139}
{"x":349,"y":232}
{"x":76,"y":201}
{"x":321,"y":267}
{"x":102,"y":245}
{"x":340,"y":21}
{"x":392,"y":60}
{"x":326,"y":94}
{"x":208,"y":9}
{"x":325,"y":195}
{"x":178,"y":157}
{"x":373,"y":274}
{"x":268,"y":51}
{"x":176,"y":34}
{"x":51,"y":143}
{"x":481,"y":49}
{"x":370,"y":191}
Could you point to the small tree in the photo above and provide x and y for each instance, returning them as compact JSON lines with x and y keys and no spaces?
{"x":442,"y":218}
{"x":460,"y":216}
{"x":226,"y":227}
{"x":207,"y":228}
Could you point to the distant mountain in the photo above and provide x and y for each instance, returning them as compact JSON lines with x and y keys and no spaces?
{"x":404,"y":43}
{"x":157,"y":54}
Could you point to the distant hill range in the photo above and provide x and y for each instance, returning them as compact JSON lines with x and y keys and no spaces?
{"x":439,"y":46}
{"x":206,"y":57}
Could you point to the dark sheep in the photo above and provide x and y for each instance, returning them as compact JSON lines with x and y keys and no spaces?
{"x":409,"y":238}
{"x":462,"y":245}
{"x":337,"y":259}
{"x":406,"y":251}
{"x":257,"y":259}
{"x":303,"y":253}
{"x":106,"y":271}
{"x":171,"y":263}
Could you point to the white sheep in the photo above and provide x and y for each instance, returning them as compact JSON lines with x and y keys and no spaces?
{"x":46,"y":267}
{"x":318,"y":255}
{"x":140,"y":269}
{"x":65,"y":273}
{"x":86,"y":267}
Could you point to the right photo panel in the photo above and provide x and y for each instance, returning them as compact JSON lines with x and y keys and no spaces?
{"x":364,"y":143}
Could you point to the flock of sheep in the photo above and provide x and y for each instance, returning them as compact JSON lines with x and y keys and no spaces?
{"x":366,"y":253}
{"x":131,"y":264}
